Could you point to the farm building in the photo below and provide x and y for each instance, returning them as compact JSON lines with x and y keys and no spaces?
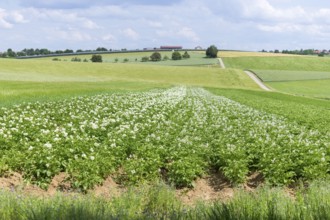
{"x":170,"y":47}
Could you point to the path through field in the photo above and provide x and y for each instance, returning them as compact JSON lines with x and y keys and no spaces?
{"x":221,"y":63}
{"x":257,"y":80}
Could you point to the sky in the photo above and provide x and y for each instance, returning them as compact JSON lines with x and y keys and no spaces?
{"x":135,"y":24}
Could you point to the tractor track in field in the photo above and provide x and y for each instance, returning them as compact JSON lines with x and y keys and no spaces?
{"x":251,"y":74}
{"x":221,"y":63}
{"x":257,"y":80}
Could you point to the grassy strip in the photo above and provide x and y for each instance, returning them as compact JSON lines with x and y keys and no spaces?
{"x":312,"y":113}
{"x":283,"y":75}
{"x":294,"y":63}
{"x":275,"y":203}
{"x":251,"y":54}
{"x":313,"y":88}
{"x":160,"y":202}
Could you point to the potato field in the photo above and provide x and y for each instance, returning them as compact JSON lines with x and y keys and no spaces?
{"x":176,"y":135}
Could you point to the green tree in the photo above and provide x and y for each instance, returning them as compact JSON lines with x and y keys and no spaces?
{"x":186,"y":55}
{"x":176,"y":55}
{"x":101,"y":49}
{"x":156,"y":56}
{"x":11,"y":53}
{"x":212,"y":52}
{"x":96,"y":58}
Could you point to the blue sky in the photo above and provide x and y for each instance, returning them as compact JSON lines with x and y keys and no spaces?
{"x":132,"y":24}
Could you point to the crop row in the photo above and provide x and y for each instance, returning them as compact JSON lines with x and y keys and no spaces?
{"x":175,"y":134}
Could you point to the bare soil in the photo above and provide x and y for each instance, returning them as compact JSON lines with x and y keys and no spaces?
{"x":213,"y":187}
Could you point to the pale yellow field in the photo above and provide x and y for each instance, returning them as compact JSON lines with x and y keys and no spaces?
{"x":251,"y":54}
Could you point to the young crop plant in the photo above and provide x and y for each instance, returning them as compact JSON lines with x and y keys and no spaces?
{"x":176,"y":135}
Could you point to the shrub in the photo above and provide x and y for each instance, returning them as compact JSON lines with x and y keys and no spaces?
{"x":145,"y":59}
{"x":76,"y":59}
{"x":186,"y":55}
{"x":166,"y":58}
{"x":96,"y":58}
{"x":125,"y":60}
{"x":176,"y":55}
{"x":156,"y":56}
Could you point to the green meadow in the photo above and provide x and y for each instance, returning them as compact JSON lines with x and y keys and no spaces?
{"x":285,"y":75}
{"x":39,"y":78}
{"x":309,"y":88}
{"x":297,"y":75}
{"x":294,"y":63}
{"x":121,"y":114}
{"x":196,"y":58}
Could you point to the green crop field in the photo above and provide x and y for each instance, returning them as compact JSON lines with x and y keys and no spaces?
{"x":165,"y":125}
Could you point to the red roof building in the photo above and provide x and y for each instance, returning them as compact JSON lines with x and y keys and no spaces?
{"x":170,"y":47}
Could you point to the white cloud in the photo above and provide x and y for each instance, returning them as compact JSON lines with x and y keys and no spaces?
{"x":137,"y":24}
{"x":263,"y":9}
{"x":3,"y":22}
{"x":108,"y":11}
{"x":280,"y":28}
{"x":189,"y":34}
{"x":89,"y":24}
{"x":130,"y":33}
{"x":109,"y":38}
{"x":71,"y":35}
{"x":18,"y":17}
{"x":155,"y":24}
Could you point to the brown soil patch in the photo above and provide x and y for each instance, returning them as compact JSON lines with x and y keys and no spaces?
{"x":208,"y":189}
{"x":59,"y":182}
{"x":11,"y":181}
{"x":213,"y":187}
{"x":108,"y":189}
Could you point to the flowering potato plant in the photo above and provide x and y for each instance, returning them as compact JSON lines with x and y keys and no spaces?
{"x":175,"y":134}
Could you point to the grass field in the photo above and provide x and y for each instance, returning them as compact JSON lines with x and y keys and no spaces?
{"x":309,"y":88}
{"x":39,"y":78}
{"x":294,"y":63}
{"x":298,"y":75}
{"x":159,"y":203}
{"x":284,"y":75}
{"x":226,"y":54}
{"x":196,"y":58}
{"x":141,"y":123}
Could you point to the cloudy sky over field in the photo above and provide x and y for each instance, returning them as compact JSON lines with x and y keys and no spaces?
{"x":132,"y":24}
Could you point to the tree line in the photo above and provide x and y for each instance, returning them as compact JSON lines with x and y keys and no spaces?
{"x":44,"y":51}
{"x":300,"y":52}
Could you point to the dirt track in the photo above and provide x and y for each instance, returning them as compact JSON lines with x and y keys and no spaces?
{"x":257,"y":80}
